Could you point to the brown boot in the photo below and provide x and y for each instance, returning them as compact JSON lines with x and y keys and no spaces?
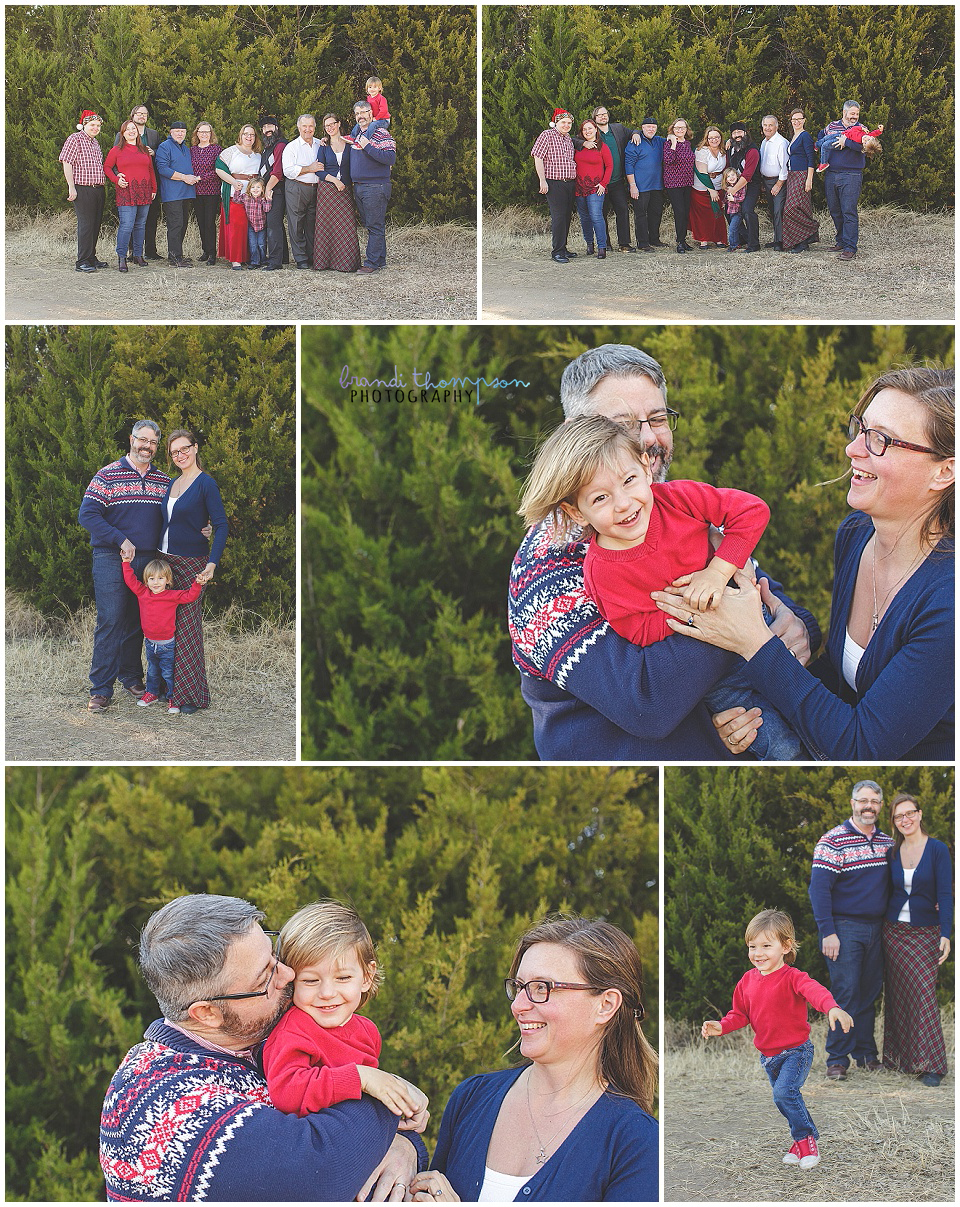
{"x":121,"y":263}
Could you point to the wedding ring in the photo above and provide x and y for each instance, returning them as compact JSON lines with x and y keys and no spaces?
{"x":689,"y":622}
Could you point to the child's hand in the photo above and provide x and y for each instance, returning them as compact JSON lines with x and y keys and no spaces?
{"x":711,"y":1028}
{"x":400,"y":1096}
{"x":702,"y":589}
{"x":416,"y":1123}
{"x":126,"y":555}
{"x":836,"y":1015}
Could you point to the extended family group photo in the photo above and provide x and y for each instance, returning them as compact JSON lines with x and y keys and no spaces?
{"x":436,"y":1009}
{"x":584,"y":478}
{"x":809,"y":984}
{"x":741,"y":130}
{"x":150,"y":579}
{"x":304,"y":149}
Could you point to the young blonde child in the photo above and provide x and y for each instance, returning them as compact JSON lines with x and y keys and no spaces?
{"x":378,"y":107}
{"x":257,"y":204}
{"x":772,"y":997}
{"x":322,"y":1052}
{"x":158,"y":618}
{"x":595,"y":474}
{"x":732,"y":201}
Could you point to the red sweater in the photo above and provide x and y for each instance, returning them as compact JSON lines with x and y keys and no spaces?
{"x":594,"y":166}
{"x":776,"y":1007}
{"x":378,"y":105}
{"x":137,"y":167}
{"x":158,"y":613}
{"x":309,"y":1067}
{"x":677,"y":542}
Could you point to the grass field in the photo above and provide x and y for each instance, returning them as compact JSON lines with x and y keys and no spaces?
{"x":904,"y":270}
{"x":884,"y":1137}
{"x":431,"y":274}
{"x":251,"y":669}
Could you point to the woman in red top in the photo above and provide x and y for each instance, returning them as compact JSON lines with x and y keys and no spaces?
{"x":594,"y":169}
{"x":130,"y":167}
{"x":678,"y":167}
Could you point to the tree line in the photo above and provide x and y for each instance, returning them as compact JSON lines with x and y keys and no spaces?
{"x":409,"y":500}
{"x":714,"y":64}
{"x":229,"y":64}
{"x":447,"y":866}
{"x":72,"y":396}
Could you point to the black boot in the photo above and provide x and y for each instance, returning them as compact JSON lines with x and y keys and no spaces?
{"x":121,"y":263}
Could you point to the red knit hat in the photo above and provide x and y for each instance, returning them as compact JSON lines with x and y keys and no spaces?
{"x":559,"y":113}
{"x":85,"y":117}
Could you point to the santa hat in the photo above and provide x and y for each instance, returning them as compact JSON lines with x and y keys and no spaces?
{"x":557,"y":113}
{"x":85,"y":116}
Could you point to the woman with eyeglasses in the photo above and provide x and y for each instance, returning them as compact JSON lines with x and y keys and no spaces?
{"x":884,"y":687}
{"x":916,"y":941}
{"x":571,"y":1123}
{"x":191,"y":505}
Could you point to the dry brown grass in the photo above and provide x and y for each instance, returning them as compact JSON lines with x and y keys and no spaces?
{"x":251,"y":669}
{"x":884,"y":1137}
{"x":904,"y":270}
{"x":431,"y":274}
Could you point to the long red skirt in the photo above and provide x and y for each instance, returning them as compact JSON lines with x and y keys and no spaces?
{"x":705,"y":225}
{"x":189,"y":668}
{"x":335,"y":242}
{"x":233,"y":239}
{"x":799,"y":224}
{"x":912,"y":1032}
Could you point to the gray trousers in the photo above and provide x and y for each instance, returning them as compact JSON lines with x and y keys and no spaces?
{"x":776,"y":206}
{"x":301,"y":202}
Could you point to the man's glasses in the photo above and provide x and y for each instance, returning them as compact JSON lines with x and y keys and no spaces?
{"x":657,"y":423}
{"x":878,"y":442}
{"x":235,"y":997}
{"x":874,"y":804}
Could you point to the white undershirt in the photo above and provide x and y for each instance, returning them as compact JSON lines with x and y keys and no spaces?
{"x":852,"y":653}
{"x":904,"y":915}
{"x":500,"y":1187}
{"x":171,"y":503}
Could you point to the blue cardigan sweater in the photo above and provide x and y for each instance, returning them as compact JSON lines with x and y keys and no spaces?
{"x":903,"y":707}
{"x":932,"y":885}
{"x":611,"y":1156}
{"x":198,"y":503}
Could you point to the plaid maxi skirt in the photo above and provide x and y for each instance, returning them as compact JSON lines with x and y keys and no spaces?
{"x":189,"y":670}
{"x":912,"y":1034}
{"x":799,"y":224}
{"x":335,"y":242}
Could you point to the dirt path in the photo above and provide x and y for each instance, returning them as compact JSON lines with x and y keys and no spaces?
{"x":884,"y":1137}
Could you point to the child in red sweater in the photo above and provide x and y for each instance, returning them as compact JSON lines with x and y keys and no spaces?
{"x":595,"y":474}
{"x":158,"y":619}
{"x":772,"y":997}
{"x":322,"y":1052}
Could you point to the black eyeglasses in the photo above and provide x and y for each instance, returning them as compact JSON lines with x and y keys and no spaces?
{"x":539,"y":991}
{"x":907,"y":813}
{"x":235,"y":997}
{"x":877,"y":442}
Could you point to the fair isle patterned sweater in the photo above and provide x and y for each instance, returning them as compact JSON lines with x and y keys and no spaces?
{"x":850,"y":876}
{"x":594,"y":695}
{"x":121,"y":505}
{"x":183,"y":1124}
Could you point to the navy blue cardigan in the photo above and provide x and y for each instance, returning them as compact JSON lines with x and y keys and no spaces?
{"x":802,"y":152}
{"x":932,"y":887}
{"x":330,"y":168}
{"x":611,"y":1156}
{"x":199,"y":502}
{"x":903,"y":707}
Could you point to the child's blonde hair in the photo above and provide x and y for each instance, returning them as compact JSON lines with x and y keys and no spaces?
{"x":374,"y":79}
{"x":728,"y":171}
{"x":256,"y":180}
{"x":566,"y":462}
{"x":871,"y":145}
{"x":158,"y":566}
{"x":774,"y":922}
{"x":329,"y":930}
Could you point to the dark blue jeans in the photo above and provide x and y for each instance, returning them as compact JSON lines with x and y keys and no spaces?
{"x":787,"y":1072}
{"x":257,"y":246}
{"x":590,"y":210}
{"x":843,"y":193}
{"x":160,"y":656}
{"x":371,"y":200}
{"x":133,"y":223}
{"x":856,"y":978}
{"x":735,"y":230}
{"x":118,"y":638}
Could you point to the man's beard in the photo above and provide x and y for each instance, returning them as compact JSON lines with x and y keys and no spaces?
{"x":270,"y":141}
{"x":245,"y":1035}
{"x":660,"y":460}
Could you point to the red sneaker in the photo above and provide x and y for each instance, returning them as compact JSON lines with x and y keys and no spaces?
{"x":147,"y":699}
{"x":809,"y":1153}
{"x":793,"y":1156}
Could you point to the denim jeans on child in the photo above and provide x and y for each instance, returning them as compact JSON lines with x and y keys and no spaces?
{"x":734,"y":231}
{"x":160,"y":656}
{"x":257,"y":244}
{"x":590,"y":210}
{"x":787,"y":1072}
{"x":775,"y":742}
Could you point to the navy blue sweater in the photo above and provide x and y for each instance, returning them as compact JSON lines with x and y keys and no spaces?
{"x":121,"y":505}
{"x":199,"y":502}
{"x":931,"y":898}
{"x":850,"y":878}
{"x":611,"y":1156}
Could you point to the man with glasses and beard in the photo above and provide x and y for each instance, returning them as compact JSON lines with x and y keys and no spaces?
{"x":744,"y":155}
{"x":271,"y":169}
{"x":849,"y":891}
{"x":593,"y":694}
{"x":188,"y":1115}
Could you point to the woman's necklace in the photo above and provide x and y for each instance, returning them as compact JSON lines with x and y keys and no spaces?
{"x":542,"y":1154}
{"x":878,"y":609}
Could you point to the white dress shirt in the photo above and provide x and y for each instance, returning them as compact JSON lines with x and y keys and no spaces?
{"x":774,"y":156}
{"x":297,"y":155}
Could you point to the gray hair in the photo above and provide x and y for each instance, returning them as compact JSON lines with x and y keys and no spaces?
{"x":769,"y":117}
{"x":582,"y":376}
{"x":142,"y":423}
{"x":867,"y":784}
{"x":850,"y":105}
{"x":302,"y":116}
{"x":361,"y":105}
{"x":184,"y":946}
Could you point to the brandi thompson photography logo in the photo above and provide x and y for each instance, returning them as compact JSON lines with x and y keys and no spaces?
{"x":420,"y":387}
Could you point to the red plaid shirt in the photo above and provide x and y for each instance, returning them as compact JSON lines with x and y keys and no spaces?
{"x":86,"y":157}
{"x":556,"y":151}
